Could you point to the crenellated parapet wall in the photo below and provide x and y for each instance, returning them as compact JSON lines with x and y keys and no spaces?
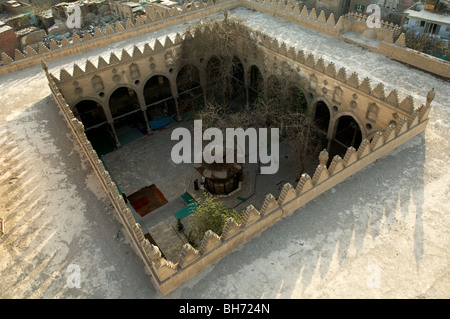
{"x":124,"y":214}
{"x":357,"y":22}
{"x":168,"y":275}
{"x":297,"y":14}
{"x":343,"y":92}
{"x":392,"y":42}
{"x":291,"y":199}
{"x":214,"y":247}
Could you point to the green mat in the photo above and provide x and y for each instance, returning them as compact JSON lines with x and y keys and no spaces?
{"x":185,"y":212}
{"x":187,"y":198}
{"x":188,"y":210}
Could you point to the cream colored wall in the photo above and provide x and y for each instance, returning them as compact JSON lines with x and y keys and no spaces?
{"x":319,"y":79}
{"x":168,"y":275}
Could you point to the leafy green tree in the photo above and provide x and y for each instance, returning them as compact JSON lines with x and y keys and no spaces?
{"x":428,"y":44}
{"x":211,"y":214}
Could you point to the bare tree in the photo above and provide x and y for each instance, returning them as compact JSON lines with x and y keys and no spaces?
{"x":220,"y":40}
{"x":280,"y":101}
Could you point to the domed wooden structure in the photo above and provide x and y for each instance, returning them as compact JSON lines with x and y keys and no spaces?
{"x":220,"y":178}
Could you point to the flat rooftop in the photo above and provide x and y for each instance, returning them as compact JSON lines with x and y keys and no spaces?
{"x":429,"y":16}
{"x":391,"y":218}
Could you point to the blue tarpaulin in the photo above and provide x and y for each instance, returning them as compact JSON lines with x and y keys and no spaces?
{"x":156,"y":124}
{"x":185,"y":212}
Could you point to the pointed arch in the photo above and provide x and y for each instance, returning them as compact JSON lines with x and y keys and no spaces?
{"x":122,"y":101}
{"x":321,"y":115}
{"x":225,"y":79}
{"x":190,"y":93}
{"x":129,"y":119}
{"x":255,"y":83}
{"x":295,"y":96}
{"x":96,"y":127}
{"x":347,"y":132}
{"x":90,"y":113}
{"x":158,"y":97}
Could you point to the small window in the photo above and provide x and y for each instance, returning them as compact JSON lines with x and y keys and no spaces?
{"x":447,"y":29}
{"x":422,"y":23}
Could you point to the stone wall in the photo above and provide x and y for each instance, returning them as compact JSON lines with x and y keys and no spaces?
{"x":167,"y":275}
{"x":343,"y":93}
{"x":123,"y":212}
{"x":16,"y":7}
{"x":8,"y":39}
{"x":415,"y":58}
{"x":392,"y":44}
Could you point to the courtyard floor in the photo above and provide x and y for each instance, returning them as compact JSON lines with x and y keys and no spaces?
{"x":147,"y":161}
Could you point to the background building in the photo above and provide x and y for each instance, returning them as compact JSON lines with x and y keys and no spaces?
{"x":428,"y":18}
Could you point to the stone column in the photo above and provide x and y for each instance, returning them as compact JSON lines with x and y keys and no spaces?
{"x":174,"y":92}
{"x":246,"y":85}
{"x":202,"y":74}
{"x":143,"y":107}
{"x":204,"y":96}
{"x":247,"y":103}
{"x":110,"y":120}
{"x":114,"y":133}
{"x":331,"y":131}
{"x":323,"y":157}
{"x":149,"y":129}
{"x":329,"y":146}
{"x":178,"y":116}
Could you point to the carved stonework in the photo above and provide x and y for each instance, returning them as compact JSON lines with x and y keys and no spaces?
{"x":116,"y":77}
{"x":169,"y":58}
{"x":323,"y":157}
{"x":298,"y":71}
{"x":337,"y":95}
{"x":430,"y":97}
{"x":134,"y":71}
{"x":269,"y":205}
{"x":372,"y":112}
{"x":97,"y":83}
{"x":77,"y":90}
{"x":313,"y":83}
